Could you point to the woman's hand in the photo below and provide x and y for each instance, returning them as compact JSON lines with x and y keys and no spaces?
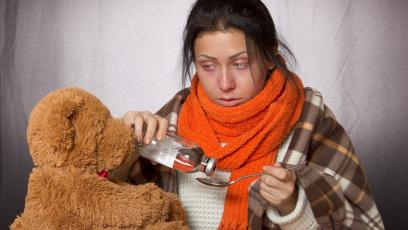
{"x":145,"y":125}
{"x":278,"y":187}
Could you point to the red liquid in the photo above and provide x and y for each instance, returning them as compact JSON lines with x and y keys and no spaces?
{"x":183,"y":165}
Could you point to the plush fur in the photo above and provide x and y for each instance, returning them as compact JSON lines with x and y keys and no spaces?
{"x":71,"y":137}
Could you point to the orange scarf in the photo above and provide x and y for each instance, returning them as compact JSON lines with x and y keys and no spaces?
{"x":253,"y":132}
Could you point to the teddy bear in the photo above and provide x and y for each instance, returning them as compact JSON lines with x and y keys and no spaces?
{"x":82,"y":161}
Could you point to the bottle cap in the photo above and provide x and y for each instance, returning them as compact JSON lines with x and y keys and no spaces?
{"x":209,"y":165}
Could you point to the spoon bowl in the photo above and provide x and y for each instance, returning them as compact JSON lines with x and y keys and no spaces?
{"x":217,"y":182}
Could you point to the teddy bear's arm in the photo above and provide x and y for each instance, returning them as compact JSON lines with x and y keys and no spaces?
{"x":55,"y":194}
{"x":124,"y":204}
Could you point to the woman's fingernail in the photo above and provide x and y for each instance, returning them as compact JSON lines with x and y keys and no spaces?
{"x":147,"y":140}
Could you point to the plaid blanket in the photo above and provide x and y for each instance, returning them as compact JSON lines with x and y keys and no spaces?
{"x":333,"y":179}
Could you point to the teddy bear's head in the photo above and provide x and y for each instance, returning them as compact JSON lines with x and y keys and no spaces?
{"x":72,"y":128}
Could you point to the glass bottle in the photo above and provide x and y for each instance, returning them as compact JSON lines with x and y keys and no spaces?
{"x":178,"y":153}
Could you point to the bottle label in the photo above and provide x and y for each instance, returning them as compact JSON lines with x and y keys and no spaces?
{"x":182,"y":164}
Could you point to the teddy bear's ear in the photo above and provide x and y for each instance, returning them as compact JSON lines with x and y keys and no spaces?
{"x":50,"y":133}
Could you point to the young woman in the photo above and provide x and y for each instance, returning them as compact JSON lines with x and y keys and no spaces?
{"x":247,"y":110}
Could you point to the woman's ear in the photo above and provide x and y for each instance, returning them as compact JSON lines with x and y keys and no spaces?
{"x":271,"y":66}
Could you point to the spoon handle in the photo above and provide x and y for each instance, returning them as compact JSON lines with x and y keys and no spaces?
{"x":262,"y":173}
{"x":246,"y":176}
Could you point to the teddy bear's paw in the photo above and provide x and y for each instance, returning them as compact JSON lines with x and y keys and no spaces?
{"x":176,"y":209}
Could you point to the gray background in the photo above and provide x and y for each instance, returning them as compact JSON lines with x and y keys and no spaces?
{"x":127,"y":53}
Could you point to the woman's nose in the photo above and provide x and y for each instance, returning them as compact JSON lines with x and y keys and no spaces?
{"x":226,"y":81}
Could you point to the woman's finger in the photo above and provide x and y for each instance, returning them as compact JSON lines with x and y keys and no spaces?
{"x":272,"y":199}
{"x":134,"y":119}
{"x":128,"y":118}
{"x":279,"y":193}
{"x":145,"y":125}
{"x":279,"y":172}
{"x":270,"y":181}
{"x":267,"y":188}
{"x":138,"y":126}
{"x":151,"y":123}
{"x":163,"y":125}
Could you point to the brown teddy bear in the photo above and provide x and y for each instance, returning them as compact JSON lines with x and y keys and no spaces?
{"x":82,"y":158}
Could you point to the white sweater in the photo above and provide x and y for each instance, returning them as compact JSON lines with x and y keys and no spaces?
{"x":204,"y":205}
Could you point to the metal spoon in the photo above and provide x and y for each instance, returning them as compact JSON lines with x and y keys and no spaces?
{"x":217,"y":182}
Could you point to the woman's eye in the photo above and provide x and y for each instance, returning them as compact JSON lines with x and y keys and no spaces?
{"x":208,"y":66}
{"x":241,"y":65}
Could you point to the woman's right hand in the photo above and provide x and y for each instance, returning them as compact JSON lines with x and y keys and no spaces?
{"x":145,"y":125}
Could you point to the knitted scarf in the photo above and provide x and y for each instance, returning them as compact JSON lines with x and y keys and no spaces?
{"x":252,"y":131}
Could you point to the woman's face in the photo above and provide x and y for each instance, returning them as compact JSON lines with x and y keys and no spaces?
{"x":229,"y":75}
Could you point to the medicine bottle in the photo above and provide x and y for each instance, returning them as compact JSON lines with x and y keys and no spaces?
{"x":178,"y":153}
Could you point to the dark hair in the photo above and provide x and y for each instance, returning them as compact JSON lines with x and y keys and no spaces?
{"x":250,"y":16}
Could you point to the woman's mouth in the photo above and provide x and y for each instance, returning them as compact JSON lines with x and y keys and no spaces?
{"x":228,"y":101}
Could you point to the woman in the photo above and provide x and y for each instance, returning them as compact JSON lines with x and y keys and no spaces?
{"x":247,"y":110}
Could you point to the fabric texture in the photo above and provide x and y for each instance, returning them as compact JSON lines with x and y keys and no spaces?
{"x":253,"y":132}
{"x":203,"y":205}
{"x":333,"y":178}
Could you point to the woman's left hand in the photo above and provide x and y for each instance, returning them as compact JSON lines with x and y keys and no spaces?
{"x":278,"y":187}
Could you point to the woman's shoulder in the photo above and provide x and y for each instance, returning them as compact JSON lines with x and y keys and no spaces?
{"x":314,"y":108}
{"x":174,"y":104}
{"x":315,"y":111}
{"x":314,"y":97}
